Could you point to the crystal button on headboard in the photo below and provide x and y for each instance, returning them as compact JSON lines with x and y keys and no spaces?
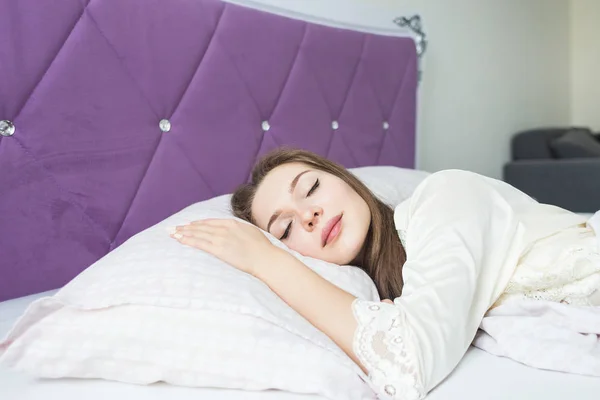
{"x":7,"y":128}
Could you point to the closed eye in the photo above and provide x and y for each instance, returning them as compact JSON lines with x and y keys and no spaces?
{"x":286,"y":234}
{"x":314,"y":187}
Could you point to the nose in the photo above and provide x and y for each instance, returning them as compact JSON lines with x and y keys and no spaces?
{"x":311,"y":217}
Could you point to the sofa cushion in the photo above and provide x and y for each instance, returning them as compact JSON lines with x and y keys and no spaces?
{"x":576,"y":143}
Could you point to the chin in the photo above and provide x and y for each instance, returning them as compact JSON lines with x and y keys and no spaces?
{"x":354,"y":253}
{"x":357,"y":251}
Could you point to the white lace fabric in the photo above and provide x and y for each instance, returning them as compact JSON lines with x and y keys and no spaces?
{"x":386,"y":349}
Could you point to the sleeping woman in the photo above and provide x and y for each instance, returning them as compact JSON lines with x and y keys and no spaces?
{"x":462,"y":244}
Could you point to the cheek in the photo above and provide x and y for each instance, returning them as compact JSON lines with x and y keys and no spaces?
{"x":349,"y":195}
{"x":335,"y":195}
{"x":303,"y":244}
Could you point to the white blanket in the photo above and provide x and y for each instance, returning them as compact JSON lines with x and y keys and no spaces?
{"x":545,"y":335}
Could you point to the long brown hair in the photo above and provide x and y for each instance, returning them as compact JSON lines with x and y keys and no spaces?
{"x":382,"y":256}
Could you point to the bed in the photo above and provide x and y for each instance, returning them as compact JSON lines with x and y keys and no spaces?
{"x":479,"y":376}
{"x":115,"y":115}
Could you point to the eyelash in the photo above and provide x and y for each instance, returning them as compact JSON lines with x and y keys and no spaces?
{"x":312,"y":190}
{"x":286,"y":234}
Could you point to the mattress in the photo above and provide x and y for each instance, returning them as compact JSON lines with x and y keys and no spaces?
{"x":478,"y":376}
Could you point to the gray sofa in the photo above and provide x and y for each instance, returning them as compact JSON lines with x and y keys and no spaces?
{"x":559,"y":166}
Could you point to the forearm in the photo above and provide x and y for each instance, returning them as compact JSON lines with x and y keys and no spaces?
{"x":323,"y":304}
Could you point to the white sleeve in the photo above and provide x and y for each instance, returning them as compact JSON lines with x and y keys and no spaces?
{"x":463,"y":242}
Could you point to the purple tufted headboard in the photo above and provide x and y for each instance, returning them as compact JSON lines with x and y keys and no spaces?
{"x":123,"y":112}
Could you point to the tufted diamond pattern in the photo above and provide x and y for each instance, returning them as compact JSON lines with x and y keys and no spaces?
{"x":86,"y":84}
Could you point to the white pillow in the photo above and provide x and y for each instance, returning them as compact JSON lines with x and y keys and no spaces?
{"x":154,"y":310}
{"x":392,"y":185}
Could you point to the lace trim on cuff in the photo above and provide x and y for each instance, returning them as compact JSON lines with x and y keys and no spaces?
{"x":384,"y":347}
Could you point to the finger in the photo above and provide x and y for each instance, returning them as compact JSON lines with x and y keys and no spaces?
{"x":214,"y":222}
{"x":195,"y":234}
{"x":195,"y":242}
{"x":214,"y":234}
{"x":193,"y":228}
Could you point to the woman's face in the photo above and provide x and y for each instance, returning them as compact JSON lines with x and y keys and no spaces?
{"x":313,"y":212}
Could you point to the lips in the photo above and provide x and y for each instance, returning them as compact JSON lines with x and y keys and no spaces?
{"x":331,"y":230}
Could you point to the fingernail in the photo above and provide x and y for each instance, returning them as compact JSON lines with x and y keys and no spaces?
{"x":178,"y":235}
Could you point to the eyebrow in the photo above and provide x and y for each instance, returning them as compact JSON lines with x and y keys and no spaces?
{"x":291,"y":190}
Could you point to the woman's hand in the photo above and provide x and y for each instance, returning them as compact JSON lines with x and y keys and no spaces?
{"x":239,"y":244}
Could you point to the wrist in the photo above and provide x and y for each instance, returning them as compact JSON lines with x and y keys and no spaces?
{"x":268,"y":259}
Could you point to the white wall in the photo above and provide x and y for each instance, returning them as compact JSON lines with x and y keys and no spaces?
{"x":493,"y":67}
{"x":585,"y":63}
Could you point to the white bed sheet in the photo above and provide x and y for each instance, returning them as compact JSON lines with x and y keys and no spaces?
{"x":479,"y":376}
